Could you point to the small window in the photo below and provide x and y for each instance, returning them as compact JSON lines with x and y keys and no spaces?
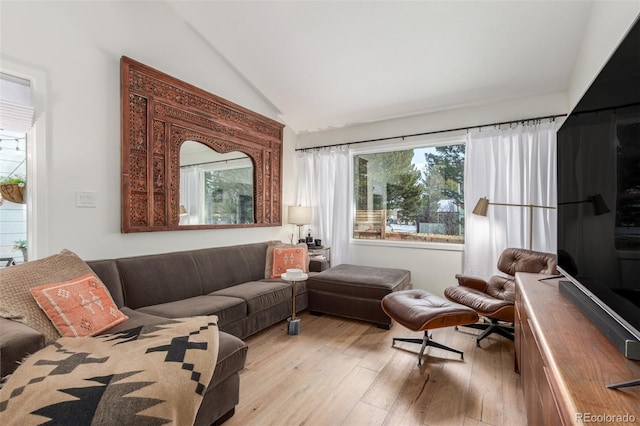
{"x":410,"y":195}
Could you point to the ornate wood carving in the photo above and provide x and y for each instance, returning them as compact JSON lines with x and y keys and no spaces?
{"x":159,"y":113}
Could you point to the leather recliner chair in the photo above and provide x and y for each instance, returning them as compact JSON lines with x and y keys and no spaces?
{"x":495,"y":299}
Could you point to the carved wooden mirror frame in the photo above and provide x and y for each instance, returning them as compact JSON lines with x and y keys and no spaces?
{"x":159,"y":113}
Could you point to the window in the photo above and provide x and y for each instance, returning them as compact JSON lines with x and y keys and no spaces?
{"x":16,"y":119}
{"x":410,"y":195}
{"x":13,"y":208}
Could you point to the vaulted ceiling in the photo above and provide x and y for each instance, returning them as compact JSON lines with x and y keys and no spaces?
{"x":329,"y":64}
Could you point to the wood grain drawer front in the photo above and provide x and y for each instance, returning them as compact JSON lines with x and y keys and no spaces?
{"x":539,"y":398}
{"x":550,"y":402}
{"x":517,"y":325}
{"x":542,"y":407}
{"x":530,"y":368}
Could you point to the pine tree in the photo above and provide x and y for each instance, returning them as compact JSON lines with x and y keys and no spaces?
{"x":443,"y":179}
{"x":392,"y":175}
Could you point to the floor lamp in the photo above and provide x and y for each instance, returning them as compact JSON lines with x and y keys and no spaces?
{"x":483,"y":205}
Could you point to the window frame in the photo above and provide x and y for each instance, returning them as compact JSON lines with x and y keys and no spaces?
{"x":37,"y":164}
{"x":428,"y":141}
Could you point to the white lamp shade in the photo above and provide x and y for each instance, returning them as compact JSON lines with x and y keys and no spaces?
{"x":300,"y":215}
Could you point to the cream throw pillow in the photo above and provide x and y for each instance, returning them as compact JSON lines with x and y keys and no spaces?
{"x":16,"y":301}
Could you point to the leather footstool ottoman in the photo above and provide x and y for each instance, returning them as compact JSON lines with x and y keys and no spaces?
{"x":355,"y":291}
{"x":419,"y":310}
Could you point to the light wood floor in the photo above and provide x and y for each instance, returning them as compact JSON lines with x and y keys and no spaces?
{"x":345,"y":372}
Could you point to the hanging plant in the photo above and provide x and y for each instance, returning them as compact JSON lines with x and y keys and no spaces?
{"x":13,"y":188}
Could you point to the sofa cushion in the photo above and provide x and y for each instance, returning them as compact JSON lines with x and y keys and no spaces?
{"x":79,"y":307}
{"x":16,"y":301}
{"x":259,"y":295}
{"x":226,"y":308}
{"x":16,"y":341}
{"x":107,"y":271}
{"x":367,"y":282}
{"x":137,"y":319}
{"x":222,"y":267}
{"x":161,"y":278}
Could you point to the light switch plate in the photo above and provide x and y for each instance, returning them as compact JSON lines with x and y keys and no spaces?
{"x":85,"y":199}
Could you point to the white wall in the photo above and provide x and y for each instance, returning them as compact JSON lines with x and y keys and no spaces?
{"x":607,"y":27}
{"x":74,"y":49}
{"x":470,"y":116}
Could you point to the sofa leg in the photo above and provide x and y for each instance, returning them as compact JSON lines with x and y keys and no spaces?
{"x":384,"y":326}
{"x":316,"y":313}
{"x":224,"y":417}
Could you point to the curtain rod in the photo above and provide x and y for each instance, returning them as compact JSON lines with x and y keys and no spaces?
{"x":548,"y":117}
{"x":213,"y":162}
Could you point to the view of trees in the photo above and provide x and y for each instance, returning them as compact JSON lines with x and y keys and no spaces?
{"x":431,"y":195}
{"x":443,"y":180}
{"x":229,"y":196}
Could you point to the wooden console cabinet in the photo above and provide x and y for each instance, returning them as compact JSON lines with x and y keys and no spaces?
{"x":566,"y":363}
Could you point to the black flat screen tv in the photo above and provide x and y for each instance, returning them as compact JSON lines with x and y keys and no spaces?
{"x":598,"y":154}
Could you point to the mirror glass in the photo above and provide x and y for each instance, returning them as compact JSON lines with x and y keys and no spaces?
{"x":215,"y":188}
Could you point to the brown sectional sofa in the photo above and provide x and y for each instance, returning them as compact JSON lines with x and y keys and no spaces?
{"x":226,"y":281}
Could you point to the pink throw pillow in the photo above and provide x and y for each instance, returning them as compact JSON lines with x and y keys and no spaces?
{"x":79,"y":307}
{"x":288,"y":258}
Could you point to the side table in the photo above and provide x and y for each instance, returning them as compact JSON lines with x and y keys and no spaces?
{"x":321,"y":253}
{"x":293,"y":322}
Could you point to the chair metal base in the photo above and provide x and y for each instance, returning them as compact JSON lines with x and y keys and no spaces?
{"x":426,"y":341}
{"x":493,"y":327}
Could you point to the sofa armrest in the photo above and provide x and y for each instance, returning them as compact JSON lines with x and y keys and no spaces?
{"x":471,"y":282}
{"x":17,"y":340}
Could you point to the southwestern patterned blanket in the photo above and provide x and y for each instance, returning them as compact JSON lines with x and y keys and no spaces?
{"x":149,"y":375}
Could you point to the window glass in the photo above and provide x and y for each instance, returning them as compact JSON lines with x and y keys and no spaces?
{"x":228,"y":195}
{"x":13,"y":187}
{"x":412,"y":194}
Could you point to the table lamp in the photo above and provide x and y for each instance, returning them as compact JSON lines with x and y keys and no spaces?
{"x":300,"y":216}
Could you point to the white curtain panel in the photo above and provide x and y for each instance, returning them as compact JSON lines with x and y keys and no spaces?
{"x":324,"y":185}
{"x":190,"y":190}
{"x":510,"y":165}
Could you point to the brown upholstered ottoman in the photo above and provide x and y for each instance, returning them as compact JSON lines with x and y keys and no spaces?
{"x":355,"y":291}
{"x":419,"y":310}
